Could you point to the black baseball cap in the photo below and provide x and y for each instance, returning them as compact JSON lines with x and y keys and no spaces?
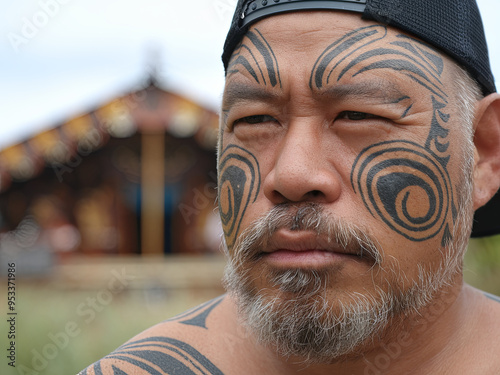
{"x":453,"y":26}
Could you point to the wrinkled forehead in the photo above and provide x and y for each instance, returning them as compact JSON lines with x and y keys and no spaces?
{"x":327,"y":48}
{"x":454,"y":27}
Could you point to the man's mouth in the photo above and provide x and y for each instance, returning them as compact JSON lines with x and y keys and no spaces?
{"x":305,"y":249}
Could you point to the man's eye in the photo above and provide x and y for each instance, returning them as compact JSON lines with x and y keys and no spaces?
{"x":256,"y":119}
{"x":355,"y":116}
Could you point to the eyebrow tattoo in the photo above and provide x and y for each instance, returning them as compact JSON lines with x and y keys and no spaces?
{"x":237,"y":92}
{"x":407,"y":110}
{"x":405,"y":184}
{"x":245,"y":56}
{"x":379,"y":90}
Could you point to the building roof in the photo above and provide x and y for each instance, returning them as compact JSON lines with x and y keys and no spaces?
{"x":151,"y":110}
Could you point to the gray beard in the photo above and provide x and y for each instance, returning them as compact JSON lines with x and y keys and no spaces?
{"x":307,"y":325}
{"x":299,"y":315}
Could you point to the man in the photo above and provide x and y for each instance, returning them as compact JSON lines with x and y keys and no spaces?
{"x":357,"y":138}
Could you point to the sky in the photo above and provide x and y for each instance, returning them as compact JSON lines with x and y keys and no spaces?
{"x":59,"y":58}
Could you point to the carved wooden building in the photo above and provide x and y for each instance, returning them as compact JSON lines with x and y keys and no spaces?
{"x":134,"y":175}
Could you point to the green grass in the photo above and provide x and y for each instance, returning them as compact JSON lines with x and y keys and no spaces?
{"x":482,"y":264}
{"x":60,"y":332}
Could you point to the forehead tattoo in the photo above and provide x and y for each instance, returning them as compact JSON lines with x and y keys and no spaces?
{"x":255,"y":47}
{"x":352,"y":55}
{"x":403,"y":183}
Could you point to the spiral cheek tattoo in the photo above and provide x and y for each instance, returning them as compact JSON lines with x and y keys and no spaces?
{"x":405,"y":184}
{"x":239,"y":185}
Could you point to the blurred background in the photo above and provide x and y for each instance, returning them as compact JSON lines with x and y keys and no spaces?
{"x":108,"y":173}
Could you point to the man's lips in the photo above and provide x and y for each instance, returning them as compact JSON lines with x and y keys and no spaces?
{"x":304,"y":258}
{"x":306,"y":249}
{"x":305,"y":241}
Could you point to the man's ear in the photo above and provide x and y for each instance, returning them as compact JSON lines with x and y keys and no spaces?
{"x":487,"y":150}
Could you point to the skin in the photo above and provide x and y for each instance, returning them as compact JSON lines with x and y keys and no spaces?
{"x":295,"y":129}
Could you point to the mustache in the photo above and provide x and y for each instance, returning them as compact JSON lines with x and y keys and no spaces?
{"x":305,"y":217}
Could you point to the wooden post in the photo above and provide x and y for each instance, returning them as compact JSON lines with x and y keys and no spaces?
{"x":153,"y":193}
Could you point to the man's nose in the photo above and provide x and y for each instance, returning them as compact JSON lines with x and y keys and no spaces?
{"x":302,"y":170}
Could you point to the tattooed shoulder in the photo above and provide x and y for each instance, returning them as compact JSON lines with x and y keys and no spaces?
{"x":198,"y":316}
{"x":164,"y":349}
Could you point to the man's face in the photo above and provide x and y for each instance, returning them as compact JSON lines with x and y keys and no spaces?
{"x":329,"y":118}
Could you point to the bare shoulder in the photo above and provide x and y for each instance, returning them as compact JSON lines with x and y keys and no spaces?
{"x":493,"y":298}
{"x":491,"y":313}
{"x":484,"y":342}
{"x":180,"y":345}
{"x":491,"y":327}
